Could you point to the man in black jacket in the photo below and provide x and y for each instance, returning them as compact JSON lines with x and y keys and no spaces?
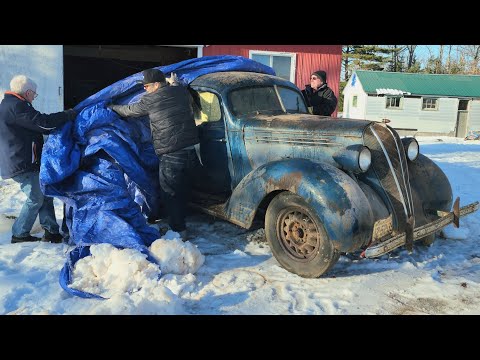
{"x":174,"y":135}
{"x":319,"y":96}
{"x":21,"y":143}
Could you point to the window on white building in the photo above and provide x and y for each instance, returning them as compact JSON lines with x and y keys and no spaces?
{"x":430,"y":104}
{"x":282,"y":62}
{"x":354,"y":101}
{"x":393,"y":102}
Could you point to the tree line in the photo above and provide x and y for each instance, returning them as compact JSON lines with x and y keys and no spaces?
{"x":442,"y":59}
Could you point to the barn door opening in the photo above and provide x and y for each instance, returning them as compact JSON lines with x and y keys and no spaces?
{"x":90,"y":68}
{"x":462,"y":118}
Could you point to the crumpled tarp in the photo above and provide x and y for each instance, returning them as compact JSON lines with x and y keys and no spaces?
{"x":105,"y":170}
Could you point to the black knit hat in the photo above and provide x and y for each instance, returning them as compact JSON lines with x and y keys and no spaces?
{"x":151,"y":76}
{"x":321,"y":74}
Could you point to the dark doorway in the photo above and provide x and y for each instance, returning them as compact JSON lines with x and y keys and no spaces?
{"x":90,"y":68}
{"x":462,"y":118}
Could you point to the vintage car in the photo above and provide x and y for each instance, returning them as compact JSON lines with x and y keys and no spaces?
{"x":323,"y":186}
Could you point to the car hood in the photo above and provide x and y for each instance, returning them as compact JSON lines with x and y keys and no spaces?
{"x":307,"y":127}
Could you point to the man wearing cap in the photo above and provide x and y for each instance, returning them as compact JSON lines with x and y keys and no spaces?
{"x":319,"y":96}
{"x":174,"y":135}
{"x":21,"y":142}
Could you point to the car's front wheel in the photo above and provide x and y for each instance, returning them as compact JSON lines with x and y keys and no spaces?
{"x":297,"y":237}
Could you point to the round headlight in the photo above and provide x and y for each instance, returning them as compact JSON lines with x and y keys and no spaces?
{"x":364,"y":159}
{"x":413,"y":150}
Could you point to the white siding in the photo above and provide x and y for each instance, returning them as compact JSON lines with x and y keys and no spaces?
{"x":444,"y":120}
{"x":43,"y":64}
{"x":474,"y":116}
{"x":411,"y":115}
{"x":349,"y":92}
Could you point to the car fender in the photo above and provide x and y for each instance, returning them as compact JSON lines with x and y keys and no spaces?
{"x":337,"y":199}
{"x":431,"y":188}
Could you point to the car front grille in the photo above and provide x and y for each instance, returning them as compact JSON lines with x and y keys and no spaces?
{"x":389,"y":163}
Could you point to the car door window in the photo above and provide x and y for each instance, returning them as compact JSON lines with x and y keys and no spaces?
{"x":292,"y":100}
{"x":207,"y":107}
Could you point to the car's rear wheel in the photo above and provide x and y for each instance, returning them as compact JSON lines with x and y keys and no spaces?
{"x":297,"y":237}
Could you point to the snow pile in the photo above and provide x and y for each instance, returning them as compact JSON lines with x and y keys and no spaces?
{"x":130,"y":282}
{"x":389,"y":91}
{"x":151,"y":299}
{"x":176,"y":256}
{"x":109,"y":271}
{"x":127,"y":279}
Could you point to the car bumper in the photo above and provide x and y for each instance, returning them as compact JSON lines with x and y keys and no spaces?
{"x":420,"y":232}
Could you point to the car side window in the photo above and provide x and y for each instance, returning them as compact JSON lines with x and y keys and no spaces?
{"x":207,"y":107}
{"x":292,"y":100}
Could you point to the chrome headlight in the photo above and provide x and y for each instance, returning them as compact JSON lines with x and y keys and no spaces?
{"x":365,"y":159}
{"x":412,"y":149}
{"x":355,"y":158}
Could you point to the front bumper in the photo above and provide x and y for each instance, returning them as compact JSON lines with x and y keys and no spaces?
{"x":420,"y":232}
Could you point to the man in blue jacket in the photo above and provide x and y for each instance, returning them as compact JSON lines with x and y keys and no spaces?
{"x":21,"y":143}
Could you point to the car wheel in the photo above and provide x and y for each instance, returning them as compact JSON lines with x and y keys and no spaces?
{"x":297,"y":237}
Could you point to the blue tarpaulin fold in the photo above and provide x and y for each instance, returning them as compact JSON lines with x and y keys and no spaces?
{"x":105,"y":170}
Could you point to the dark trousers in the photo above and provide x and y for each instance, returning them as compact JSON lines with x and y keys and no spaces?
{"x":175,"y":174}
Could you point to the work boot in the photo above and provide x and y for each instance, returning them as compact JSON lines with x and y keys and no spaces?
{"x":54,"y":238}
{"x":28,"y":238}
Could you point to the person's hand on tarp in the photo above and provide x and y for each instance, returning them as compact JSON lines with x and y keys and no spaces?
{"x":173,"y":80}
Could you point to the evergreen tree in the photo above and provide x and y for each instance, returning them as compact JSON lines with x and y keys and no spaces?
{"x":365,"y":57}
{"x":397,"y":61}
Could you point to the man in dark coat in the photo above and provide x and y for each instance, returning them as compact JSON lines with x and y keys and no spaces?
{"x":319,"y":96}
{"x":174,"y":135}
{"x":21,"y":143}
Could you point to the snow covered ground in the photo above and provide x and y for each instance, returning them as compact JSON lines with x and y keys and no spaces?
{"x":238,"y":275}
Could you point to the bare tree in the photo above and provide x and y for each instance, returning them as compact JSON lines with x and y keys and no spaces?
{"x":411,"y":55}
{"x":439,"y":62}
{"x":472,"y":57}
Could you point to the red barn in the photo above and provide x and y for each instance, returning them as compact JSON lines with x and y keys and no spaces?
{"x":292,"y":62}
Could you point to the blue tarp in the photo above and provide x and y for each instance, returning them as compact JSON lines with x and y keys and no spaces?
{"x":104,"y":168}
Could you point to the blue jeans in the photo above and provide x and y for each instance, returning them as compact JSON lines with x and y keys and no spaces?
{"x":175,"y":174}
{"x":36,"y":204}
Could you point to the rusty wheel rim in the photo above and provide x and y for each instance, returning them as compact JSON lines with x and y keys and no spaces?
{"x":298,"y":234}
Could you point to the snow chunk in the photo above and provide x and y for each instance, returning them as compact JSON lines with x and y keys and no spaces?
{"x":176,"y":256}
{"x":109,"y":271}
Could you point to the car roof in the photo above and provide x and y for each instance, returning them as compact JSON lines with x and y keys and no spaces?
{"x":233,"y":79}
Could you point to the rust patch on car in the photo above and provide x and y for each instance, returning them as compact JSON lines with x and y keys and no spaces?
{"x":289,"y":182}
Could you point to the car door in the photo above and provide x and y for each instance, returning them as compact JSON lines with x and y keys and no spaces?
{"x":214,"y":177}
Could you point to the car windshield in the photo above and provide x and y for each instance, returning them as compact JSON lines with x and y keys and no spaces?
{"x":266,"y":100}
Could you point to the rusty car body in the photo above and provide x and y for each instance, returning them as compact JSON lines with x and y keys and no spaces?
{"x":323,"y":186}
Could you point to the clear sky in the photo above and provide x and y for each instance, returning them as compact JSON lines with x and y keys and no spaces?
{"x":423,"y":51}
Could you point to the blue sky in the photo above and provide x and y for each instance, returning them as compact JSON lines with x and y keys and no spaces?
{"x":423,"y":51}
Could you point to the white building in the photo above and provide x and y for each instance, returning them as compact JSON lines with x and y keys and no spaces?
{"x":415,"y":103}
